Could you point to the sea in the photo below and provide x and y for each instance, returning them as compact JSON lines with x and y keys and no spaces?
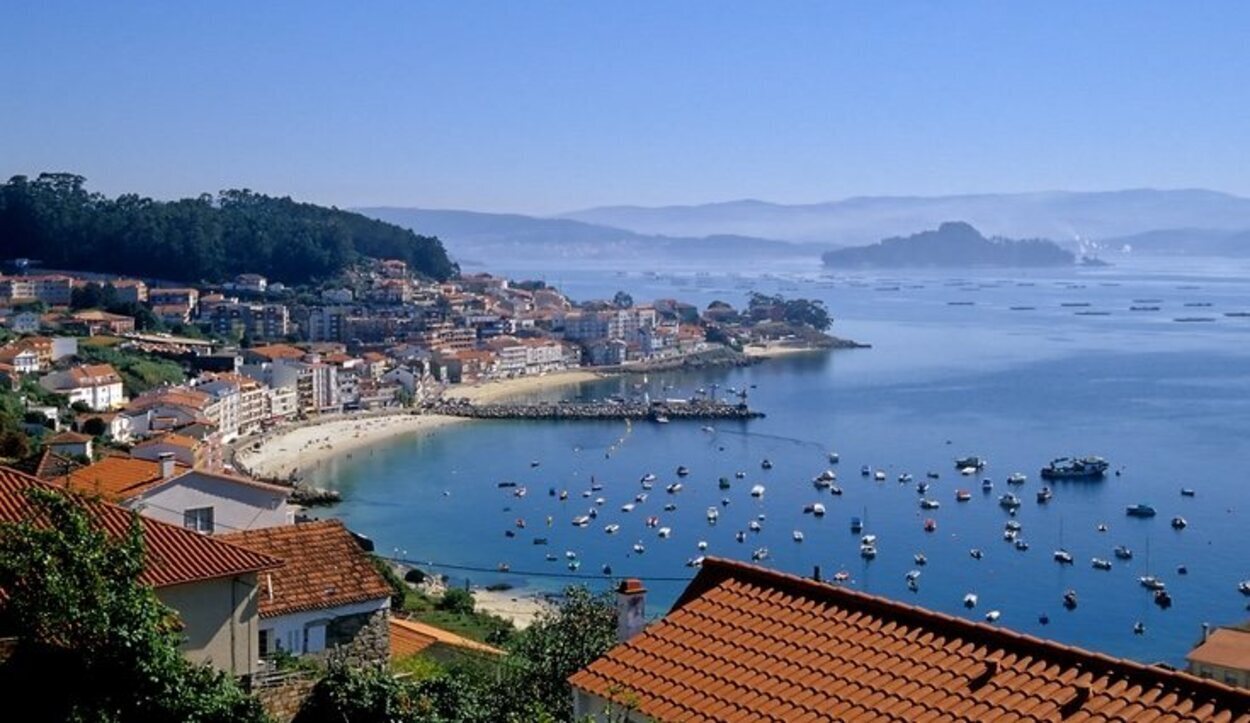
{"x":1139,"y":362}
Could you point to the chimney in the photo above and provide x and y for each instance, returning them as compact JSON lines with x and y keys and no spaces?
{"x":631,"y":606}
{"x":167,"y":464}
{"x":1206,"y":631}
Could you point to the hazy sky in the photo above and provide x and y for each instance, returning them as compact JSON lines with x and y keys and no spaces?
{"x":544,"y":107}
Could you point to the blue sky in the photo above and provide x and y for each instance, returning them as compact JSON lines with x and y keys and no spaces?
{"x":543,"y":107}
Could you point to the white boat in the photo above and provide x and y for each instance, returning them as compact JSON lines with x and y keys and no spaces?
{"x":713,"y":514}
{"x":753,"y":526}
{"x":905,"y":477}
{"x":638,"y":548}
{"x":879,"y":475}
{"x":798,"y":536}
{"x":867,"y":551}
{"x":970,"y":600}
{"x":1009,"y":501}
{"x":600,"y":501}
{"x":920,"y":559}
{"x":581,"y":520}
{"x":695,"y":562}
{"x":757,"y":491}
{"x":928,"y":504}
{"x":661,"y":419}
{"x":833,"y":458}
{"x":826,"y":476}
{"x":1100,"y":564}
{"x":766,"y":464}
{"x":818,"y":510}
{"x":1017,"y":478}
{"x":967,"y":471}
{"x":992,"y":616}
{"x":1150,"y":582}
{"x":1063,"y":557}
{"x":648,"y":477}
{"x":975,"y":553}
{"x":702,"y":545}
{"x":760,"y":554}
{"x":640,"y":497}
{"x":612,"y":529}
{"x":868,"y":540}
{"x":1013,"y":525}
{"x":664,"y":532}
{"x":1021,"y":545}
{"x":1243,"y":587}
{"x":570,"y":555}
{"x":673,"y":488}
{"x":913,"y":574}
{"x":627,"y":507}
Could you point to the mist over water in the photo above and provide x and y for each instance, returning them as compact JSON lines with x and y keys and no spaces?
{"x":954,"y":370}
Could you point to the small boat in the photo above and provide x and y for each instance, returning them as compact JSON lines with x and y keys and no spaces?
{"x":664,"y":532}
{"x":1139,"y":510}
{"x":564,"y":495}
{"x":648,"y":477}
{"x":502,"y":485}
{"x":551,"y":558}
{"x":661,"y":419}
{"x":683,"y":470}
{"x":867,"y":552}
{"x":928,"y":504}
{"x":1021,"y":545}
{"x":607,"y":570}
{"x":533,"y":463}
{"x":975,"y":553}
{"x":1150,"y":582}
{"x":708,"y":429}
{"x":962,"y":495}
{"x":1123,"y":552}
{"x":581,"y":520}
{"x":670,"y":507}
{"x":835,"y":490}
{"x":754,"y":526}
{"x":879,"y":475}
{"x":673,"y":489}
{"x":868,"y":540}
{"x":930,"y":524}
{"x":570,"y":555}
{"x":913,"y":575}
{"x":816,"y":509}
{"x":987,"y":485}
{"x":740,"y":536}
{"x":1044,"y":619}
{"x":1017,"y":478}
{"x":922,"y":487}
{"x":627,"y":507}
{"x":1044,"y":495}
{"x":724,"y":501}
{"x":967,"y":471}
{"x":1182,"y":570}
{"x":757,"y":491}
{"x":1010,"y":535}
{"x":1163,"y":599}
{"x":1063,"y":557}
{"x":841,"y":576}
{"x":702,"y":545}
{"x":970,"y":600}
{"x":865,"y":470}
{"x":1179,"y":523}
{"x":723,"y":483}
{"x":760,"y":554}
{"x":612,"y":529}
{"x":826,"y":476}
{"x":766,"y":464}
{"x":920,"y":559}
{"x":1102,"y":527}
{"x":1139,"y":628}
{"x":1243,"y":587}
{"x":1009,"y":501}
{"x":1187,"y":492}
{"x":639,"y":548}
{"x":540,"y":540}
{"x":600,"y":501}
{"x":1099,"y":563}
{"x":1069,"y":599}
{"x":520,"y":523}
{"x":1013,"y":525}
{"x":592,"y":513}
{"x":509,"y":533}
{"x":574,"y":564}
{"x":833,"y":458}
{"x":798,"y":536}
{"x":932,"y":475}
{"x":520,"y":491}
{"x":1075,"y":468}
{"x":713,"y":514}
{"x":992,"y":616}
{"x":695,"y":562}
{"x":596,"y":486}
{"x":653,"y":521}
{"x":856,"y":525}
{"x":905,"y":477}
{"x":740,"y":474}
{"x":976,"y":463}
{"x":640,"y":497}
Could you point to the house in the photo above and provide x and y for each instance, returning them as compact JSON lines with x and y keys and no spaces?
{"x":94,"y":322}
{"x":117,"y":426}
{"x":748,"y":643}
{"x":185,"y":299}
{"x":25,"y":322}
{"x":131,"y":290}
{"x":23,"y":361}
{"x":410,"y":637}
{"x":185,"y":450}
{"x":251,"y":282}
{"x":212,"y":585}
{"x":70,"y":444}
{"x":327,"y":594}
{"x":98,"y":386}
{"x":46,"y":465}
{"x":118,"y":478}
{"x":1223,"y":655}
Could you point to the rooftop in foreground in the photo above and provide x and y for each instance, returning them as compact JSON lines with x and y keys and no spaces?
{"x":744,"y":643}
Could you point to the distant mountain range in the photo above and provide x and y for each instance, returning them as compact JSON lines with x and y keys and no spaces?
{"x":1186,"y":241}
{"x":1059,"y":215}
{"x":474,"y":236}
{"x":952,"y":245}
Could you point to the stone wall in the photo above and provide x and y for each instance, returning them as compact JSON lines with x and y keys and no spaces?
{"x":361,"y":640}
{"x":283,"y":701}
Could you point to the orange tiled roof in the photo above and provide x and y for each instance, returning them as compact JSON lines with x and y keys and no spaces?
{"x":90,"y":375}
{"x":1225,"y":647}
{"x":174,"y":556}
{"x":278,"y":351}
{"x":409,"y":637}
{"x":324,"y":567}
{"x":748,"y":644}
{"x":171,"y":438}
{"x":117,"y":478}
{"x":69,"y":437}
{"x":46,"y":465}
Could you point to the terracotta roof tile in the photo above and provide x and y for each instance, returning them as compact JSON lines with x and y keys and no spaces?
{"x":409,"y":637}
{"x":116,"y":478}
{"x":1226,"y":647}
{"x":175,"y":556}
{"x":746,"y":643}
{"x":324,"y":567}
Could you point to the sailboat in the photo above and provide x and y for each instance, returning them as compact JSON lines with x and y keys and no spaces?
{"x":1062,"y":556}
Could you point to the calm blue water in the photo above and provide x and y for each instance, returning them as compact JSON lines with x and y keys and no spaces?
{"x":1167,"y":403}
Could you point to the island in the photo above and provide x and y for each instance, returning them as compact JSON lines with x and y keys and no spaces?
{"x":953,"y":244}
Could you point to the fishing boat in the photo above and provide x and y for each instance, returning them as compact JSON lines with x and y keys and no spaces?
{"x":673,"y":489}
{"x":760,"y":554}
{"x":868,"y":552}
{"x":766,"y":464}
{"x":1009,"y":501}
{"x":962,"y":495}
{"x":987,"y":485}
{"x":1099,"y":563}
{"x":683,"y":470}
{"x":798,"y":536}
{"x":1187,"y":492}
{"x":974,"y":463}
{"x":713,"y":514}
{"x":970,"y":600}
{"x":612,"y":529}
{"x":1063,"y":557}
{"x":930,"y":524}
{"x":757,"y":491}
{"x":1021,"y":545}
{"x":975,"y":553}
{"x":1044,"y":495}
{"x":1179,"y":523}
{"x":1139,"y":510}
{"x":1075,"y":468}
{"x":865,"y":470}
{"x":928,"y":504}
{"x":1017,"y":478}
{"x":920,"y":559}
{"x":1123,"y":552}
{"x":1069,"y":599}
{"x":664,"y":532}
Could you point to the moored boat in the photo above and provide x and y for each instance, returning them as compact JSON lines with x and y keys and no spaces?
{"x":1009,"y":501}
{"x":1123,"y":552}
{"x":1017,"y":478}
{"x":1139,"y":510}
{"x":973,"y":462}
{"x":962,"y":495}
{"x":1075,"y":468}
{"x":1179,"y":523}
{"x":1099,"y":563}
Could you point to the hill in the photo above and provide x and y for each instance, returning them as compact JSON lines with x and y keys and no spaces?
{"x":953,"y":244}
{"x":1058,"y":215}
{"x":54,"y":219}
{"x":475,"y":235}
{"x":1185,"y":241}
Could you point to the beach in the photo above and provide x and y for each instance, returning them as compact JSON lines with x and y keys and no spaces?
{"x":300,"y":448}
{"x":505,"y":389}
{"x":775,"y":349}
{"x":522,"y":608}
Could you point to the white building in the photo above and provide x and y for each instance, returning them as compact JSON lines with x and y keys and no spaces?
{"x":97,"y":385}
{"x":214,"y":503}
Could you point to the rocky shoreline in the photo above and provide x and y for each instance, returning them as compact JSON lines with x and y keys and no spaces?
{"x":694,"y":409}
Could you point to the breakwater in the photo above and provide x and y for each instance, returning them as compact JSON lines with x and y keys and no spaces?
{"x":668,"y":410}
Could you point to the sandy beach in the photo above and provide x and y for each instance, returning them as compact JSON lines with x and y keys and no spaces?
{"x":502,"y":390}
{"x":520,"y":607}
{"x":775,"y":349}
{"x":301,"y":448}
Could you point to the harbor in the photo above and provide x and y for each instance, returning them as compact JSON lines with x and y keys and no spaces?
{"x":658,"y":411}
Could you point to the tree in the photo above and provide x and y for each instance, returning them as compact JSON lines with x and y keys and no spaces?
{"x":457,"y":600}
{"x":83,"y":616}
{"x":95,"y":426}
{"x":622,"y":300}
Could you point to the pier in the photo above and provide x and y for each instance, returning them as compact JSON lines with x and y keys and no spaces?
{"x":671,"y":410}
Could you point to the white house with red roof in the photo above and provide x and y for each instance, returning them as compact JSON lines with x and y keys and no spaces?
{"x":99,"y":386}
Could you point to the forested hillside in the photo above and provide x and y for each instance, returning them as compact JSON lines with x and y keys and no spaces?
{"x":56,"y":220}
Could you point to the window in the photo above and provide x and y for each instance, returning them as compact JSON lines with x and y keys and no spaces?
{"x":263,"y":642}
{"x":199,"y":519}
{"x":315,"y":638}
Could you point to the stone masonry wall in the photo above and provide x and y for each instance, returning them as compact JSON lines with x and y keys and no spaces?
{"x":361,"y":640}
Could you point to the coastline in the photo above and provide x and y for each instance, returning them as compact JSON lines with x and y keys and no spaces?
{"x":501,"y":390}
{"x":520,"y":606}
{"x":775,"y":349}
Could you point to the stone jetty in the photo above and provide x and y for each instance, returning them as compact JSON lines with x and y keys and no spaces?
{"x":672,"y":409}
